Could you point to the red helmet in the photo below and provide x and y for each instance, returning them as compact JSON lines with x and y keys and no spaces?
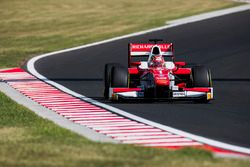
{"x":156,"y":61}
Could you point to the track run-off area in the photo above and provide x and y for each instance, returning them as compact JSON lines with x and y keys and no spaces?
{"x":221,"y":43}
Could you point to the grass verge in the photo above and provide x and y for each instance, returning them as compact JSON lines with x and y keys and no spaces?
{"x":30,"y":27}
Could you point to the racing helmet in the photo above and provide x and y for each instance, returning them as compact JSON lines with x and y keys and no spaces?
{"x":156,"y":61}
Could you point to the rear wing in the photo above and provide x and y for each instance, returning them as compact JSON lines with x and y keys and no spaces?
{"x":140,"y":50}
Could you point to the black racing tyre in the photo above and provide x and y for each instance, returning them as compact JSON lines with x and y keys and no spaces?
{"x":107,"y":78}
{"x":119,"y":77}
{"x":201,"y":77}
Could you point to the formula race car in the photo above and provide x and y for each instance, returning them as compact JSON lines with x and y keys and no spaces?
{"x":153,"y":73}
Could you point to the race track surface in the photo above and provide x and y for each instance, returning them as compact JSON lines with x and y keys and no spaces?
{"x":222,"y":44}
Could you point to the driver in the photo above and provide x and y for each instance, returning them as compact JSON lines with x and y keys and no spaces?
{"x":156,"y":61}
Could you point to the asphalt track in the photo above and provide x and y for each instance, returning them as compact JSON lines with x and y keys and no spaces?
{"x":222,"y":44}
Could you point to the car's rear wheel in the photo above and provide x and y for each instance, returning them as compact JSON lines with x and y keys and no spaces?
{"x":107,"y":78}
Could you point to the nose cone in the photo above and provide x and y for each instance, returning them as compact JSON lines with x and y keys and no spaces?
{"x":161,"y":77}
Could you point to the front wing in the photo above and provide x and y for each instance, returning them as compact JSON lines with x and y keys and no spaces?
{"x":185,"y":94}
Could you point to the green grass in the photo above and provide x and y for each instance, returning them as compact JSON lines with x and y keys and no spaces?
{"x":28,"y":140}
{"x":32,"y":27}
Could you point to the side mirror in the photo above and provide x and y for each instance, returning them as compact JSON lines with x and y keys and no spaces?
{"x":180,"y":63}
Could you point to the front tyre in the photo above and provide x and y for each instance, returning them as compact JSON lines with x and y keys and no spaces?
{"x":201,"y":77}
{"x":119,"y":77}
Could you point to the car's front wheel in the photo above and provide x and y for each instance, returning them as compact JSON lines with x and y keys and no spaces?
{"x":201,"y":77}
{"x":119,"y":77}
{"x":115,"y":75}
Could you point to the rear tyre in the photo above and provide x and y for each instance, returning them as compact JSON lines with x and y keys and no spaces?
{"x":107,"y":78}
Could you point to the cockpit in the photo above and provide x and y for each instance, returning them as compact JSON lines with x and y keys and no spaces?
{"x":156,"y":59}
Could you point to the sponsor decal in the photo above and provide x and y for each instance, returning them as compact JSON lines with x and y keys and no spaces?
{"x":147,"y":47}
{"x":179,"y":94}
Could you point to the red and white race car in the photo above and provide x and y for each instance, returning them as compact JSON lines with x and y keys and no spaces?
{"x":152,"y":73}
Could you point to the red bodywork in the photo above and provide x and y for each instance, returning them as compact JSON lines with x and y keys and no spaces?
{"x":161,"y":75}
